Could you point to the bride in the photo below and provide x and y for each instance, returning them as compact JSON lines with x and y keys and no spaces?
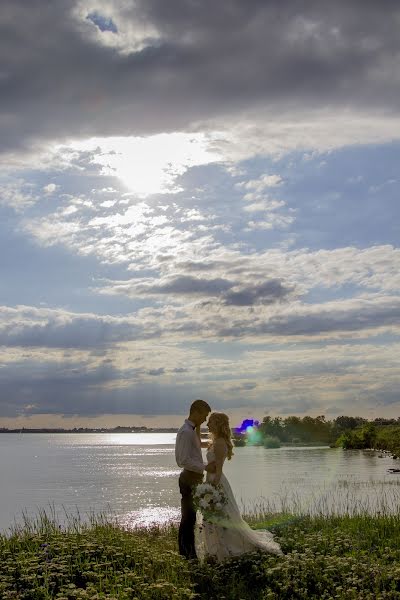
{"x":234,"y":536}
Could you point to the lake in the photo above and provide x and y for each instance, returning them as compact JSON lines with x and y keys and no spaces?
{"x":135,"y":475}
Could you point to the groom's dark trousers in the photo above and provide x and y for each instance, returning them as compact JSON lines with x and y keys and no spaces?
{"x":187,"y":481}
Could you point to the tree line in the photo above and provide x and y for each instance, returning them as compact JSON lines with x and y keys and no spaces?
{"x":344,"y":431}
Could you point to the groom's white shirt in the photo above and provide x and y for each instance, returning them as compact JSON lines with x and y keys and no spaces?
{"x":188,"y":449}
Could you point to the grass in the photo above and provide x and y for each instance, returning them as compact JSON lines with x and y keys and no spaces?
{"x":335,"y":557}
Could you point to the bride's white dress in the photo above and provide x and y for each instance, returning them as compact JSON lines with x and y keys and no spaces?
{"x":233,"y":536}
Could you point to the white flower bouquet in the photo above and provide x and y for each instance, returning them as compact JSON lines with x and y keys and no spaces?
{"x":210,"y":500}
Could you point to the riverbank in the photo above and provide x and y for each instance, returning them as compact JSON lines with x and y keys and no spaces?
{"x":369,"y":437}
{"x":337,"y":557}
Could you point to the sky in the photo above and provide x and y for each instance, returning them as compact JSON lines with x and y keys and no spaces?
{"x":198,"y":200}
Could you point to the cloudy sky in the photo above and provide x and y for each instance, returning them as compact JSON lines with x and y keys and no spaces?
{"x":198,"y":199}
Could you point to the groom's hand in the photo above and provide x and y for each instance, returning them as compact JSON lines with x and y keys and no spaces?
{"x":211,"y":467}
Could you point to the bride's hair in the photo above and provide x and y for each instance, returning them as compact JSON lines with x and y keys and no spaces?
{"x":223,"y":430}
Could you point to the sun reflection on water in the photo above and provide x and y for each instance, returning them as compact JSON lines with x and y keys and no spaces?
{"x":151,"y":515}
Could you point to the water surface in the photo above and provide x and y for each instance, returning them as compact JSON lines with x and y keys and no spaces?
{"x":135,"y":475}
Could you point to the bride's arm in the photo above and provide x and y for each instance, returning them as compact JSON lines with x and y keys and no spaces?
{"x":220,"y":453}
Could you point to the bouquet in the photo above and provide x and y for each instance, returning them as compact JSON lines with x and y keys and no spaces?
{"x":210,"y":500}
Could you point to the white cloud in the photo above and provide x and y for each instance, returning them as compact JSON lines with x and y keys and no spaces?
{"x":133,"y":33}
{"x":263,"y":133}
{"x":18,"y":195}
{"x":108,"y":203}
{"x":126,"y":231}
{"x":50,"y":188}
{"x":271,"y":221}
{"x":263,"y":205}
{"x":262,"y":183}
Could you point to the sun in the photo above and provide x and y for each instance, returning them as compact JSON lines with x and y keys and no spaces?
{"x":150,"y":165}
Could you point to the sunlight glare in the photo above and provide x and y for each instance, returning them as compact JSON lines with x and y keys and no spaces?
{"x":150,"y":165}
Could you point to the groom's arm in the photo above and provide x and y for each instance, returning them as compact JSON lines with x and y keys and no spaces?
{"x":184,"y":455}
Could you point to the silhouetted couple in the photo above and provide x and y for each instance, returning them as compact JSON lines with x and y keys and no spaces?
{"x":234,"y":536}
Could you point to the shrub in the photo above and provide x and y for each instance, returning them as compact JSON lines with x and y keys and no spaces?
{"x":271,"y":441}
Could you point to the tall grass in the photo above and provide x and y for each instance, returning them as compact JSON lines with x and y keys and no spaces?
{"x":345,"y":498}
{"x":345,"y":556}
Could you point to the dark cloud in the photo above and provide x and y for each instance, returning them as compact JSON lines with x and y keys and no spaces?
{"x":243,"y":387}
{"x":207,"y":59}
{"x":268,"y":292}
{"x":195,"y":266}
{"x":356,"y":316}
{"x":229,"y":293}
{"x":54,"y":329}
{"x":386,"y":394}
{"x":50,"y":387}
{"x":185,"y":284}
{"x":156,"y":372}
{"x":27,"y":389}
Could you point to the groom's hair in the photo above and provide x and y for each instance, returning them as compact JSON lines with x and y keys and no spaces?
{"x":199,"y":405}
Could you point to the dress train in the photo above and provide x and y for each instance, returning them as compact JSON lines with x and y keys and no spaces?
{"x":232,"y":536}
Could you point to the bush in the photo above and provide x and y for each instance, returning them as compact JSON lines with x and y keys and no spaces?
{"x":271,"y":441}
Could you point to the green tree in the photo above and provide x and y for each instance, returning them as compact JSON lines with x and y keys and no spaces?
{"x":273,"y":427}
{"x":293,"y":428}
{"x":368,"y":434}
{"x":344,"y":423}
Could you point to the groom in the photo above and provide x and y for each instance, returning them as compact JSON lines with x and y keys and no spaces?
{"x":188,"y":456}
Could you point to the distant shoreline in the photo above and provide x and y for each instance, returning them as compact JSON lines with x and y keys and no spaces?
{"x":90,"y":430}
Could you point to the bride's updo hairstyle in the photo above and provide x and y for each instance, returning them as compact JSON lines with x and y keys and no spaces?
{"x":222,"y":430}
